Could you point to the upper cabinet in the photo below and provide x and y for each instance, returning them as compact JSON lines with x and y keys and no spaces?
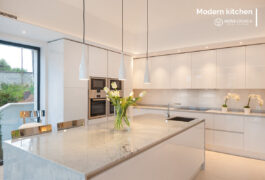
{"x":114,"y":60}
{"x":97,"y":62}
{"x":255,"y":67}
{"x":203,"y":71}
{"x":231,"y":66}
{"x":160,"y":74}
{"x":138,"y":74}
{"x":180,"y":71}
{"x":128,"y":83}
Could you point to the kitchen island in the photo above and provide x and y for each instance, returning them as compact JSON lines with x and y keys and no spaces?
{"x":153,"y":148}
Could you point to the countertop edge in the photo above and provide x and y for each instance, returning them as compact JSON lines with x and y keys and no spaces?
{"x":195,"y":111}
{"x":131,"y":155}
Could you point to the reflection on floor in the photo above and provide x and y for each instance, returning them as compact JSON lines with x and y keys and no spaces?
{"x":227,"y":167}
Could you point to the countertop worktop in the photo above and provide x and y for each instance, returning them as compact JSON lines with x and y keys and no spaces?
{"x":202,"y":110}
{"x":94,"y":148}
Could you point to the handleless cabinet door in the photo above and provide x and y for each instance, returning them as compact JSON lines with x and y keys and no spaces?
{"x":231,"y":67}
{"x":160,"y":72}
{"x":128,"y":83}
{"x":180,"y":66}
{"x":114,"y":60}
{"x":255,"y":136}
{"x":138,"y":74}
{"x":229,"y":123}
{"x":255,"y":67}
{"x":97,"y":62}
{"x":203,"y":70}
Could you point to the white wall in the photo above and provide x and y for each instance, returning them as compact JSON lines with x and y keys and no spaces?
{"x":199,"y":98}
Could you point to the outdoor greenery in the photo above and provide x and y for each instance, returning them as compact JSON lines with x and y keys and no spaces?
{"x":7,"y":68}
{"x":13,"y":92}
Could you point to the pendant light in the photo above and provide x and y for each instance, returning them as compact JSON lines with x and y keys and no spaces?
{"x":146,"y":73}
{"x":122,"y":72}
{"x":83,"y":68}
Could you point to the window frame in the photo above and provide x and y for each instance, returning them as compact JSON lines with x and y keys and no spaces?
{"x":38,"y":49}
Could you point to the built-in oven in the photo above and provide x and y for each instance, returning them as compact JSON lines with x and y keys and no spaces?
{"x":97,"y":107}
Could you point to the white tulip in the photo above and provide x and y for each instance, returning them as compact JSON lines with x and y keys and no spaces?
{"x":106,"y":89}
{"x":131,"y":94}
{"x":142,"y":94}
{"x":114,"y":85}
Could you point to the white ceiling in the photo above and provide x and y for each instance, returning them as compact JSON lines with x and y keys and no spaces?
{"x":173,"y":23}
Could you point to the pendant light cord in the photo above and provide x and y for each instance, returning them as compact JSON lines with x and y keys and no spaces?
{"x":122,"y":26}
{"x":147,"y":30}
{"x":84,"y":22}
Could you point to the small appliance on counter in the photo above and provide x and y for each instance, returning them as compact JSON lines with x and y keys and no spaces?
{"x":98,"y":104}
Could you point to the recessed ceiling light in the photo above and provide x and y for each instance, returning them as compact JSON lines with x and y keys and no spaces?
{"x":23,"y":31}
{"x":240,"y":42}
{"x":206,"y":47}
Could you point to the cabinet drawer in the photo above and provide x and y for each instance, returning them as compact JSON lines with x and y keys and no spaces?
{"x":228,"y":139}
{"x":229,"y":123}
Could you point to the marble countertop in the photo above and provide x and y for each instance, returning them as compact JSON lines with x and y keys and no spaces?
{"x":213,"y":111}
{"x":94,"y":148}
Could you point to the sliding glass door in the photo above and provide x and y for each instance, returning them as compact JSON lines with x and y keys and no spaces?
{"x":19,"y":85}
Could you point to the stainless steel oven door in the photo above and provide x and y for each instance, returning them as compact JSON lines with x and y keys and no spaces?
{"x":97,"y":107}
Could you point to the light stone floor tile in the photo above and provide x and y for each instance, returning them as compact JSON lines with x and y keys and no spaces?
{"x":221,"y":166}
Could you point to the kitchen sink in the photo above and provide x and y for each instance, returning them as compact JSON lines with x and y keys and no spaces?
{"x":178,"y":118}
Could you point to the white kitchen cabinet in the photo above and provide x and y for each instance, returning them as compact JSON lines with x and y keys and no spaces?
{"x":203,"y":71}
{"x":229,"y":123}
{"x":231,"y":68}
{"x":67,"y":95}
{"x":228,"y":141}
{"x":255,"y":67}
{"x":128,"y":83}
{"x":160,"y":73}
{"x":114,"y":60}
{"x":138,"y":74}
{"x":97,"y":62}
{"x":255,"y":135}
{"x":180,"y":71}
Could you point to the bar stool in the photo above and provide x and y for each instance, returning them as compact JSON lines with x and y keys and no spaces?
{"x":70,"y":124}
{"x":29,"y":115}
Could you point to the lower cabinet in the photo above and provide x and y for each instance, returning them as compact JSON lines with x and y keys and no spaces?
{"x":234,"y":134}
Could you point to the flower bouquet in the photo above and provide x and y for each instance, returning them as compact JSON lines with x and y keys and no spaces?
{"x":121,"y":104}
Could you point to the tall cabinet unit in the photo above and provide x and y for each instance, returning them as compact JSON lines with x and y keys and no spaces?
{"x":180,"y":71}
{"x":231,"y":66}
{"x":203,"y":70}
{"x":255,"y":67}
{"x":67,"y":95}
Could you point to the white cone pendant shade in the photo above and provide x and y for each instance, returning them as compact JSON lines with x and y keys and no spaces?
{"x":83,"y":68}
{"x":146,"y":74}
{"x":122,"y":70}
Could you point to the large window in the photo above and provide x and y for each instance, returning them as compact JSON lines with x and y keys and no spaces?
{"x":19,"y":85}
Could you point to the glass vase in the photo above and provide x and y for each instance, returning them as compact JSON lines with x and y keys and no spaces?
{"x":121,"y":118}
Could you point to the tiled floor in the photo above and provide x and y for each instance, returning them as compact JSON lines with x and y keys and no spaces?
{"x":225,"y":167}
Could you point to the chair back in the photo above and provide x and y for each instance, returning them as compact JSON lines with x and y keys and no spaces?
{"x":70,"y":124}
{"x":30,"y":114}
{"x":19,"y":133}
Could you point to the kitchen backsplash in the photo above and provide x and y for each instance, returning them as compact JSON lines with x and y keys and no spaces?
{"x":200,"y":98}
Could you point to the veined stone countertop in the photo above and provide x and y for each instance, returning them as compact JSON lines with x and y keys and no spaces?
{"x":203,"y":110}
{"x":92,"y":149}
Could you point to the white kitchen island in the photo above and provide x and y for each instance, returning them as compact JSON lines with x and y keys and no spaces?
{"x":153,"y":148}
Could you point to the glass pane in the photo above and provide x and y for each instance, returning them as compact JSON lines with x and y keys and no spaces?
{"x":17,"y":77}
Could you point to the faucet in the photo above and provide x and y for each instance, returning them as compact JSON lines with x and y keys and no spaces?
{"x":168,"y":109}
